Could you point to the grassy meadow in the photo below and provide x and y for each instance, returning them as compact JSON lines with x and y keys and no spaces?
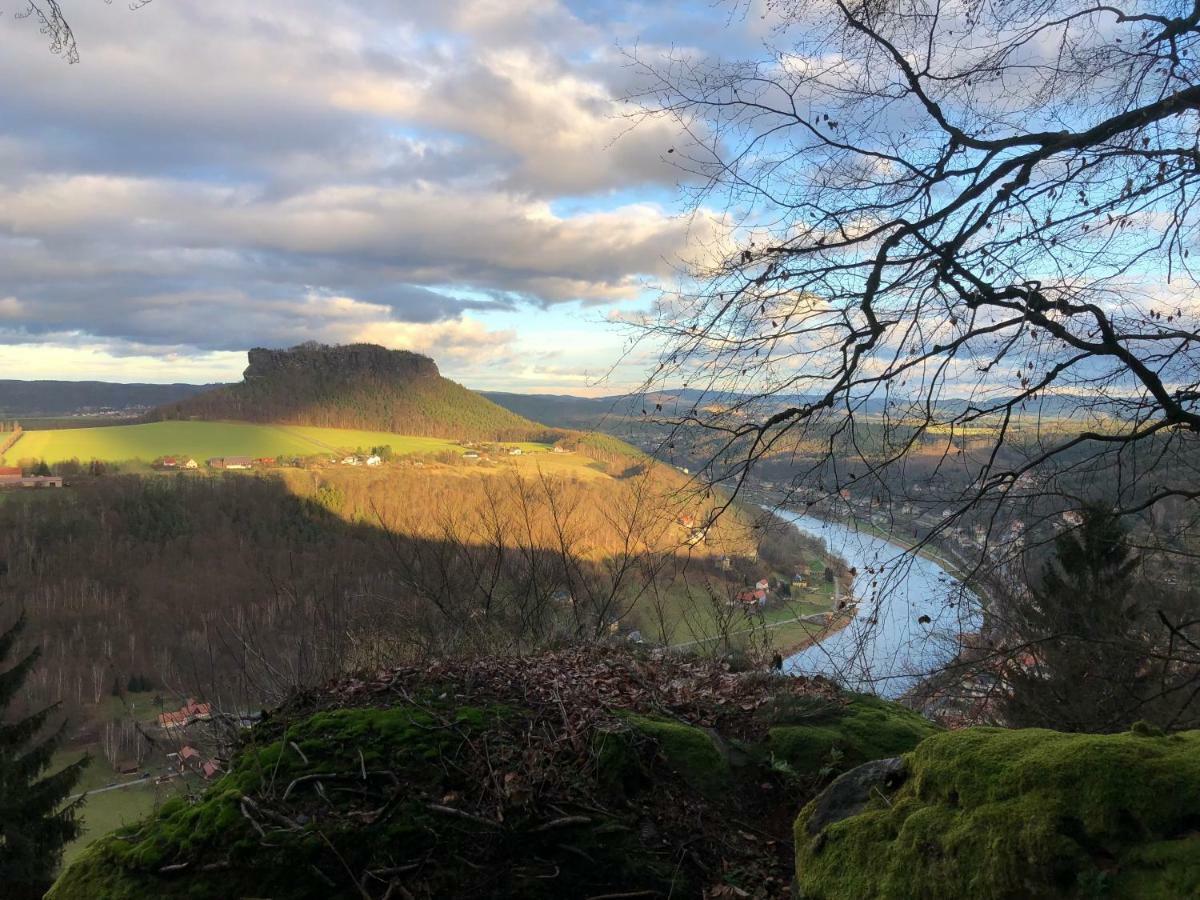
{"x":202,"y":440}
{"x":108,"y":810}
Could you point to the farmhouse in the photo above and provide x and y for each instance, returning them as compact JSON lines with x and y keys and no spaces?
{"x":166,"y":462}
{"x":374,"y":460}
{"x":230,"y":462}
{"x":751,"y":597}
{"x":187,"y":714}
{"x":172,"y":721}
{"x":10,"y":477}
{"x":515,"y":451}
{"x":42,"y":481}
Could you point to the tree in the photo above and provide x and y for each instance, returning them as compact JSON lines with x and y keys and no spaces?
{"x":1081,"y":628}
{"x":945,"y":224}
{"x":35,"y":821}
{"x":52,"y":22}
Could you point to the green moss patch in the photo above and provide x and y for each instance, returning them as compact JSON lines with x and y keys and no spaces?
{"x":838,"y":737}
{"x":446,"y":797}
{"x":995,"y":813}
{"x":689,"y":751}
{"x":576,"y":773}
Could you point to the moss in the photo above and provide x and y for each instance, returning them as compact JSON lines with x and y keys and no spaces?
{"x":688,"y":750}
{"x":214,"y":828}
{"x":994,"y":813}
{"x":843,"y":736}
{"x":222,"y":856}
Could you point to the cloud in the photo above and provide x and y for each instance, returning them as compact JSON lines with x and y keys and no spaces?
{"x":218,"y":176}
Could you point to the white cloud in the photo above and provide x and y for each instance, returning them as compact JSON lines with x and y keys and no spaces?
{"x":215,"y":176}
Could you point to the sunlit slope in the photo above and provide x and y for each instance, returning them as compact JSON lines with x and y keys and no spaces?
{"x":207,"y":439}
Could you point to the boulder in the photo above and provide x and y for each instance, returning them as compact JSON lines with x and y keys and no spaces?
{"x":993,"y":814}
{"x":852,"y":791}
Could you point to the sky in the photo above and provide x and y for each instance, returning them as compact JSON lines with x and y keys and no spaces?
{"x":458,"y":178}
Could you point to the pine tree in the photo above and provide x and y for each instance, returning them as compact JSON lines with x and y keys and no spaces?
{"x":36,"y":822}
{"x":1084,"y":627}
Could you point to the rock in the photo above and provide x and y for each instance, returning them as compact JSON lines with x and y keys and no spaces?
{"x":1011,"y":814}
{"x":838,"y":737}
{"x":348,"y":361}
{"x":852,"y":791}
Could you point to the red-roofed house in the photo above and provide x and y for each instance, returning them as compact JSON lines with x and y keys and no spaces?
{"x":198,"y":711}
{"x":172,"y":720}
{"x":187,"y":714}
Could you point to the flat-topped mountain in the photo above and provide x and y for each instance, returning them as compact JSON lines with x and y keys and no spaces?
{"x":343,"y":361}
{"x":362,"y":386}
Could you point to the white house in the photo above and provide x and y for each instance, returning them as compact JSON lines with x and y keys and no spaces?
{"x":374,"y":461}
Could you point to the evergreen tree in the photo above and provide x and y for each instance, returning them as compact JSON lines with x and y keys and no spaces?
{"x":1084,"y":627}
{"x":35,"y":824}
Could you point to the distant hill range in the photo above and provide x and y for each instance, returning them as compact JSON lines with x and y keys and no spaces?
{"x":362,"y":386}
{"x":20,"y":399}
{"x":605,"y":413}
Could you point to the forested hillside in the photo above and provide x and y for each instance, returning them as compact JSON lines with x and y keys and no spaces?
{"x":223,"y":584}
{"x":64,"y":398}
{"x":355,"y":386}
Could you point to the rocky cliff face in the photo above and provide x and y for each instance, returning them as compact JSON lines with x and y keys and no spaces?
{"x":345,"y":361}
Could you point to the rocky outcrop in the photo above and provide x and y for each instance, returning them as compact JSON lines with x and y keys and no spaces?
{"x":853,"y":791}
{"x":349,"y":360}
{"x":994,"y":814}
{"x":589,"y":772}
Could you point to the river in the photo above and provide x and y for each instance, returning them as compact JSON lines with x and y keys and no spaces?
{"x":886,"y":648}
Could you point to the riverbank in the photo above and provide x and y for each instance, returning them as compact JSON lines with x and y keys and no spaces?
{"x":955,"y":567}
{"x":836,"y":622}
{"x":910,"y":617}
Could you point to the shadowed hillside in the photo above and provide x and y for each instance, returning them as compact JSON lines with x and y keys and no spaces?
{"x":354,"y":386}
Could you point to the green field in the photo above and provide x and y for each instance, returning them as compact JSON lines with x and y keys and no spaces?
{"x":110,"y":809}
{"x":203,"y":440}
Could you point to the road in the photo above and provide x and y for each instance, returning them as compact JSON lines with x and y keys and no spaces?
{"x":811,"y":618}
{"x":117,"y":787}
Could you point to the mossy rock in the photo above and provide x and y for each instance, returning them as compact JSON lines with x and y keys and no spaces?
{"x":839,"y":737}
{"x":625,"y":756}
{"x":210,"y":848}
{"x":993,"y":814}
